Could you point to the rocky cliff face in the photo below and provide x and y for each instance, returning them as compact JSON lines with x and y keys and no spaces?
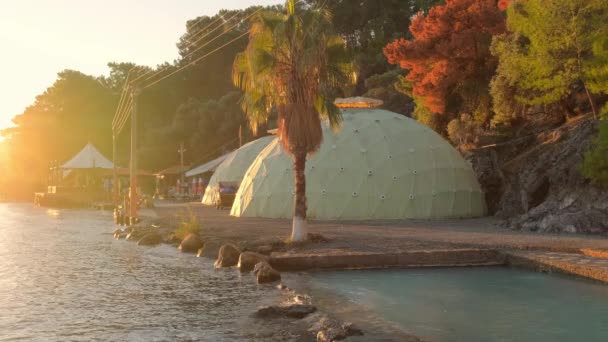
{"x":533,"y":183}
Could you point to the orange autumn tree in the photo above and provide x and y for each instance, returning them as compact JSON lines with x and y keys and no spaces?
{"x":504,"y":4}
{"x":448,"y":59}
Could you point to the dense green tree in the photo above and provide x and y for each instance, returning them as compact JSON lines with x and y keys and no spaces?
{"x":293,"y":64}
{"x":595,"y":162}
{"x":549,"y":51}
{"x":75,"y":110}
{"x":367,"y":26}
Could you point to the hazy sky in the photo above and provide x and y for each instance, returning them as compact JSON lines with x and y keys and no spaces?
{"x":39,"y":38}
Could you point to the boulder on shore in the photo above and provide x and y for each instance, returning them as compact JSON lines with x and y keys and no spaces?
{"x":265,"y":273}
{"x":248,"y":260}
{"x":228,"y":256}
{"x":265,"y":249}
{"x":191,"y":243}
{"x":150,"y":239}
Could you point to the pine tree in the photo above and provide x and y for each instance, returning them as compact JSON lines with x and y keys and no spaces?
{"x":550,"y":48}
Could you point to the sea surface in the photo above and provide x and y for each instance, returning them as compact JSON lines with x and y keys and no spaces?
{"x":64,"y":278}
{"x":472,"y":304}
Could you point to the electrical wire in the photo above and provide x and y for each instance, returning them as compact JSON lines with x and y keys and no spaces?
{"x":157,"y":72}
{"x":195,"y":61}
{"x":207,"y":43}
{"x":122,"y":98}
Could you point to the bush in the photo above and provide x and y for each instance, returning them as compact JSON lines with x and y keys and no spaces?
{"x":464,"y":131}
{"x":189,"y":224}
{"x":595,"y":162}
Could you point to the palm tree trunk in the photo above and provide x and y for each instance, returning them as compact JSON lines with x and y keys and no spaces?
{"x":299,"y":230}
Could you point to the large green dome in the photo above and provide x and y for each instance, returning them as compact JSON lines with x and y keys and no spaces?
{"x":233,"y":168}
{"x":380,"y":165}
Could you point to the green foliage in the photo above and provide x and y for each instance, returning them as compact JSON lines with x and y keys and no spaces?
{"x":595,"y":162}
{"x":506,"y":108}
{"x":549,"y":49}
{"x":367,"y":26}
{"x":464,"y":130}
{"x":293,"y":64}
{"x":189,"y":225}
{"x":597,"y":68}
{"x":383,"y":87}
{"x":75,"y":110}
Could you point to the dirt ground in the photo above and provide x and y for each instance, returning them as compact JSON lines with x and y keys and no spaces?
{"x":380,"y":236}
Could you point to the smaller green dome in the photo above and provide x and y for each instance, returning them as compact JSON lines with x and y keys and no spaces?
{"x":233,"y":168}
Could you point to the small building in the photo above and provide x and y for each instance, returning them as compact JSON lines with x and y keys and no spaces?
{"x":168,"y":181}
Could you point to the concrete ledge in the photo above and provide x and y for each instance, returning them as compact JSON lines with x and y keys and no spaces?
{"x":542,"y":263}
{"x":354,"y":260}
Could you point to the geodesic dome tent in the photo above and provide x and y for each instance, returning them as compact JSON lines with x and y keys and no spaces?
{"x":233,"y":168}
{"x":380,"y":165}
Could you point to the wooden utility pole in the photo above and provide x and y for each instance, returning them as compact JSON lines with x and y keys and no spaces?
{"x":114,"y":172}
{"x":181,"y":158}
{"x":133,"y":163}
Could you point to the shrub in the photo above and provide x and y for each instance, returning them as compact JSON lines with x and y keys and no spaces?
{"x":189,"y":224}
{"x":595,"y":162}
{"x":464,"y":130}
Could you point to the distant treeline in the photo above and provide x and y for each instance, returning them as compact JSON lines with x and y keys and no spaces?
{"x":470,"y":69}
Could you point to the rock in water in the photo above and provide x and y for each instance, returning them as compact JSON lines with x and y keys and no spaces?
{"x":171,"y":239}
{"x":332,"y":330}
{"x":265,"y":273}
{"x":228,"y":256}
{"x":210,"y":250}
{"x":150,"y":239}
{"x":248,"y":260}
{"x":191,"y":243}
{"x":120,"y":234}
{"x":292,"y":311}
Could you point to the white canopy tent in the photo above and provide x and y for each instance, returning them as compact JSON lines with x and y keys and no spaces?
{"x":207,"y":167}
{"x":88,"y":158}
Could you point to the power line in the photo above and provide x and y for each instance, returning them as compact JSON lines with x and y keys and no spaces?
{"x":226,"y":32}
{"x":196,"y":60}
{"x":122,"y":115}
{"x":122,"y":97}
{"x":122,"y":118}
{"x":190,"y":46}
{"x":125,"y":115}
{"x":208,"y":33}
{"x":208,"y":42}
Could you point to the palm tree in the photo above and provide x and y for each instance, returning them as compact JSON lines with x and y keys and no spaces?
{"x":292,"y":65}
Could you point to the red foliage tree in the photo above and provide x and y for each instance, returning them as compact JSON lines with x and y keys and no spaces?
{"x":449,"y":53}
{"x":504,"y":4}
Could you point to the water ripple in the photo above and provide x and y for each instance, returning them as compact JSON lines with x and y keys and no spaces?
{"x":63,"y":278}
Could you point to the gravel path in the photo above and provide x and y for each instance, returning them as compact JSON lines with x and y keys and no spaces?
{"x":378,"y":236}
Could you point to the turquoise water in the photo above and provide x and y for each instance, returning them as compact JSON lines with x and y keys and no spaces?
{"x":476,"y":304}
